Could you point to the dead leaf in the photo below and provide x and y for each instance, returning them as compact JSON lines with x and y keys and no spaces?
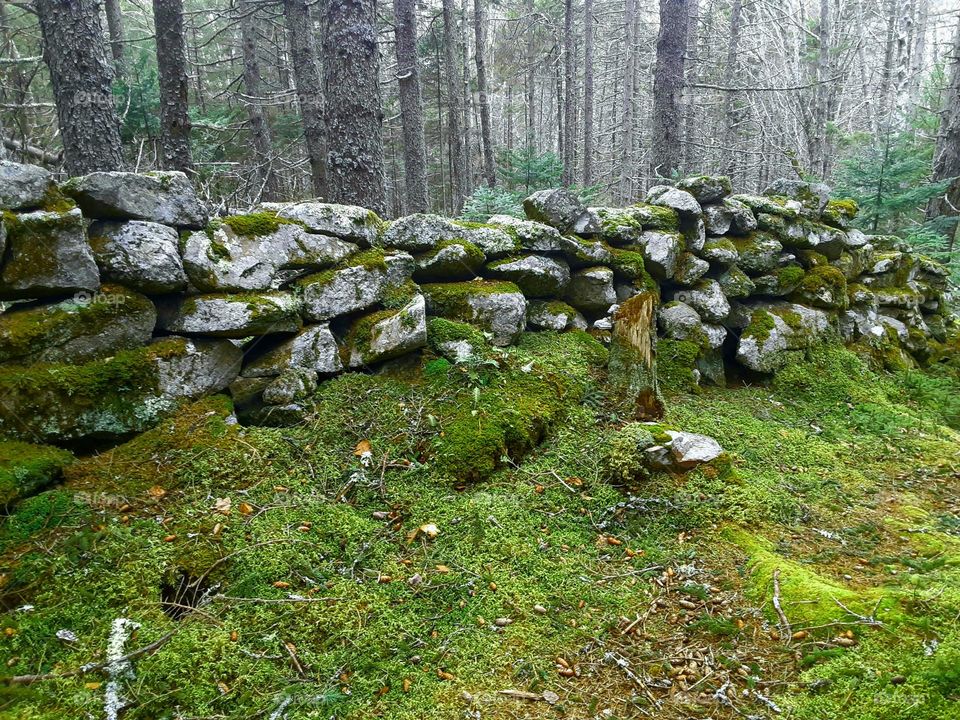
{"x":223,"y":505}
{"x":245,"y":508}
{"x":363,"y":447}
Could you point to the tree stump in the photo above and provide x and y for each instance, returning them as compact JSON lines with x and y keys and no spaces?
{"x":632,"y":367}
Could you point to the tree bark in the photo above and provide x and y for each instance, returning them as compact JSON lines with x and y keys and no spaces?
{"x":354,"y":117}
{"x":569,"y":110}
{"x":306,"y":77}
{"x":267,"y":181}
{"x":817,"y":138}
{"x":946,"y":163}
{"x":587,"y":93}
{"x":480,"y":34}
{"x":730,"y":99}
{"x":632,"y":367}
{"x":531,"y":80}
{"x":411,"y":107}
{"x":172,"y":71}
{"x":690,"y":118}
{"x":626,"y":121}
{"x":454,"y":109}
{"x":668,"y":82}
{"x":115,"y":29}
{"x":73,"y":48}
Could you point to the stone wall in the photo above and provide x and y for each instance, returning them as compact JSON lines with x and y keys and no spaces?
{"x":122,"y":298}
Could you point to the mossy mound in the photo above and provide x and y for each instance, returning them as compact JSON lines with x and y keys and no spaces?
{"x":26,"y":468}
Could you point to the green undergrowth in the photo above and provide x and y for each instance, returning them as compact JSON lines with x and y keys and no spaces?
{"x":329,"y":593}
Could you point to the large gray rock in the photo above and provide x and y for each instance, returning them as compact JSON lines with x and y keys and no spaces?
{"x":554,"y":315}
{"x":449,"y":260}
{"x":813,"y":196}
{"x":680,"y":200}
{"x":742,"y":220}
{"x":758,"y":252}
{"x":347,"y":222}
{"x":356,"y":286}
{"x":75,"y":331}
{"x":420,"y":233}
{"x":494,"y":242}
{"x":388,"y":334}
{"x":142,"y":255}
{"x":535,"y":275}
{"x":532,"y":236}
{"x":114,"y":397}
{"x":561,"y":209}
{"x":689,"y":449}
{"x":719,"y":251}
{"x":231,"y":316}
{"x":706,"y":188}
{"x":717,"y":219}
{"x":591,"y":290}
{"x":690,"y":269}
{"x":47,"y":255}
{"x":679,"y":321}
{"x":163,"y":197}
{"x":291,"y":386}
{"x":735,"y":283}
{"x":707,"y":298}
{"x":22,"y":186}
{"x":661,"y":251}
{"x":222,"y":260}
{"x":766,"y":339}
{"x":313,"y":349}
{"x":497,"y":307}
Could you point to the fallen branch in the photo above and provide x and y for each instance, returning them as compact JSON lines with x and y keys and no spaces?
{"x":784,"y":623}
{"x":92,"y":667}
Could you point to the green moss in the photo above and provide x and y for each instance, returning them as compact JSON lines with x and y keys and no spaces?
{"x":258,"y":224}
{"x":823,"y":286}
{"x":26,"y":468}
{"x":676,"y":362}
{"x":790,"y":276}
{"x":840,"y":212}
{"x":441,"y":331}
{"x":55,"y":201}
{"x":655,"y":217}
{"x":760,"y":327}
{"x":451,"y":299}
{"x":623,"y":459}
{"x":629,"y":264}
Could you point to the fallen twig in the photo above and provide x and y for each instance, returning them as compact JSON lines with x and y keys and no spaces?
{"x":784,"y":623}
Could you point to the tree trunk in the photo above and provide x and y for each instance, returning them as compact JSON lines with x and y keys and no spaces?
{"x":690,"y":118}
{"x":267,"y":182}
{"x":626,"y":121}
{"x":467,"y":97}
{"x":454,"y":109}
{"x":73,"y":48}
{"x":351,"y":84}
{"x":115,"y":28}
{"x":531,"y":80}
{"x":632,"y":367}
{"x":668,"y":82}
{"x":817,"y":140}
{"x":587,"y":93}
{"x":480,"y":33}
{"x":172,"y":71}
{"x":411,"y":107}
{"x":569,"y":110}
{"x":306,"y":77}
{"x":946,"y":163}
{"x":730,"y":99}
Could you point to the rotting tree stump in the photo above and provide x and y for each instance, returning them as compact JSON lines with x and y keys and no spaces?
{"x":632,"y":366}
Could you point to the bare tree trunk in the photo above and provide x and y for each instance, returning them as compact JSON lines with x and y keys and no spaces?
{"x":351,"y":85}
{"x":626,"y":121}
{"x":569,"y":109}
{"x":467,"y":97}
{"x":306,"y":77}
{"x":115,"y":28}
{"x":730,"y":98}
{"x":454,"y":109}
{"x":268,"y":186}
{"x":587,"y":93}
{"x":817,"y":142}
{"x":74,"y":52}
{"x":946,"y":163}
{"x":411,"y":107}
{"x":668,"y":82}
{"x":172,"y":71}
{"x":480,"y":33}
{"x":531,"y":81}
{"x":689,"y":105}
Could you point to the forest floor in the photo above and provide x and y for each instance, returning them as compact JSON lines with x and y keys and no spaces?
{"x":336,"y":569}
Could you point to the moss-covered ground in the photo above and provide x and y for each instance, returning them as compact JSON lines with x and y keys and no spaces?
{"x":436,"y":534}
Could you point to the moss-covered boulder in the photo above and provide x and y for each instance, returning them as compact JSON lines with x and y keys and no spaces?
{"x":758,"y":252}
{"x":25,"y":469}
{"x":356,"y":284}
{"x":591,"y":290}
{"x":22,"y":186}
{"x":743,"y":220}
{"x":420,"y":233}
{"x":680,"y":200}
{"x":497,"y":307}
{"x":812,"y":196}
{"x":456,"y":341}
{"x":620,"y":226}
{"x":823,"y":286}
{"x":314,"y":348}
{"x":347,"y":222}
{"x":449,"y":260}
{"x":679,"y":321}
{"x":563,"y":210}
{"x":114,"y":397}
{"x":840,"y":213}
{"x":780,"y":282}
{"x":690,"y":269}
{"x":735,"y":283}
{"x":774,"y":330}
{"x":386,"y":334}
{"x":707,"y":298}
{"x":47,"y":255}
{"x":259,"y":251}
{"x":661,"y":251}
{"x":531,"y":236}
{"x":535,"y":275}
{"x":231,"y":315}
{"x":76,"y":330}
{"x":554,"y":315}
{"x":164,"y":197}
{"x":717,"y":219}
{"x":142,"y":255}
{"x":706,"y":188}
{"x":493,"y":241}
{"x":774,"y":205}
{"x":719,"y":251}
